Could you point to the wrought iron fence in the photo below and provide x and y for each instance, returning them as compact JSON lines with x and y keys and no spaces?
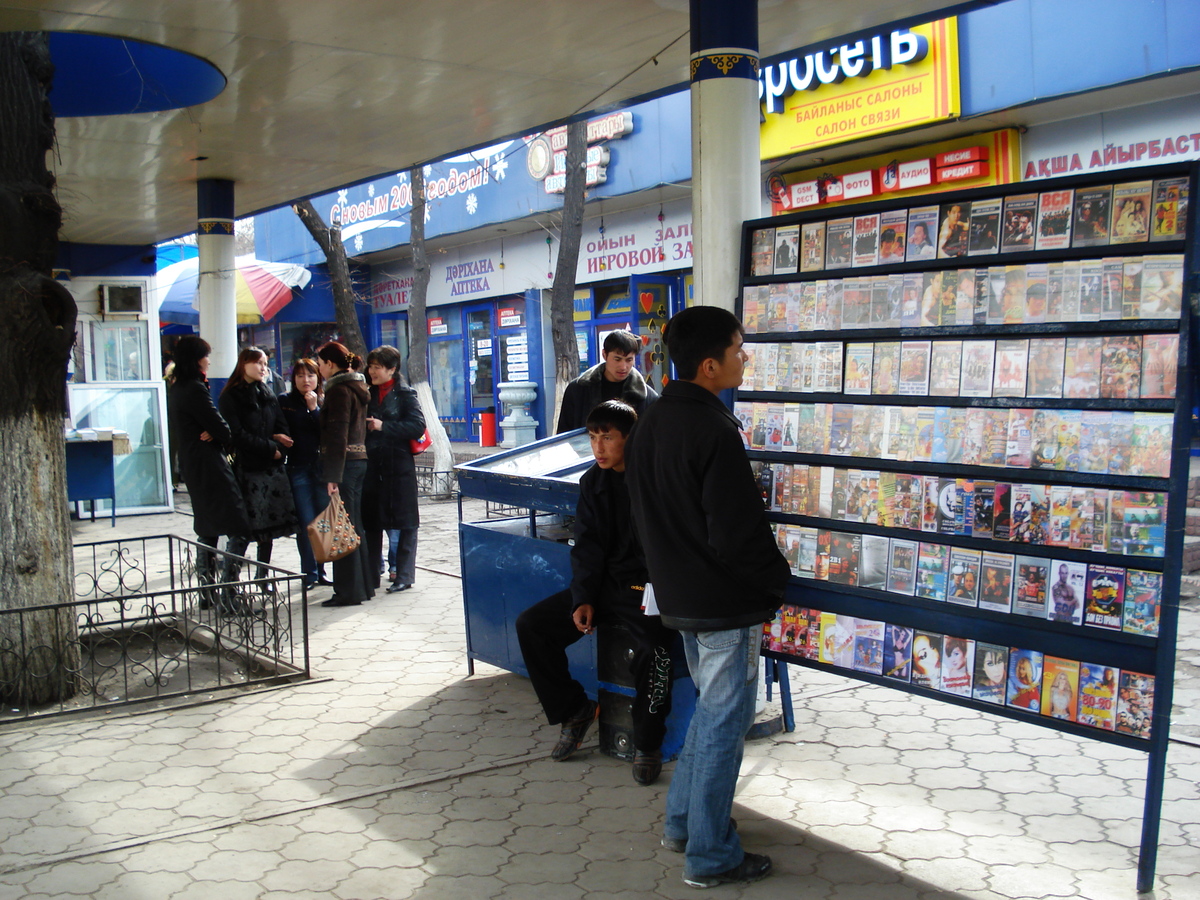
{"x":436,"y":485}
{"x":153,"y":618}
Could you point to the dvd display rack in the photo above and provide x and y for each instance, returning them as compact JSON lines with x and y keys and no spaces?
{"x":971,"y":420}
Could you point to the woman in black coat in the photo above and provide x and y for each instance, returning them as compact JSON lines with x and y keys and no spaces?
{"x":393,"y":420}
{"x":200,"y":436}
{"x":260,"y":439}
{"x":302,"y":409}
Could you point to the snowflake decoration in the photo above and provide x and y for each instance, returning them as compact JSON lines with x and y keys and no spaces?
{"x":499,"y":167}
{"x":472,"y":203}
{"x":428,"y":170}
{"x":343,"y":197}
{"x":358,"y":242}
{"x":370,"y":190}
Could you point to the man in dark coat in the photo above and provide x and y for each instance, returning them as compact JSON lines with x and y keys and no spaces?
{"x":608,"y":576}
{"x":717,"y":576}
{"x":616,"y":378}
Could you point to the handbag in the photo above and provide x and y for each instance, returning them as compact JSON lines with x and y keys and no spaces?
{"x":331,"y":533}
{"x":421,"y":444}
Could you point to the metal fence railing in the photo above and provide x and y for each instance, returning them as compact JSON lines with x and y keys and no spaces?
{"x":153,"y":618}
{"x":436,"y":485}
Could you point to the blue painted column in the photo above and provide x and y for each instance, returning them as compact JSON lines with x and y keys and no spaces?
{"x":725,"y":149}
{"x":218,"y":303}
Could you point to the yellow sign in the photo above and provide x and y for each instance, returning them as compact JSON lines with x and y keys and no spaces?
{"x":886,"y":82}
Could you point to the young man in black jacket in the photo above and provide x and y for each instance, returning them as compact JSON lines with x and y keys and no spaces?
{"x":608,"y":575}
{"x":717,"y":575}
{"x":615,"y":378}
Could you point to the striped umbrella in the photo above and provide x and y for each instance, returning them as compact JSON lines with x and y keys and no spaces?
{"x":261,"y":289}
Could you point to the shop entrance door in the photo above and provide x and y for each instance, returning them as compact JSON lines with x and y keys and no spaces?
{"x":653,"y":304}
{"x":481,"y":359}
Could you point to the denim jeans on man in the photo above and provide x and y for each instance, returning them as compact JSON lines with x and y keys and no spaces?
{"x":724,"y":667}
{"x":311,"y":495}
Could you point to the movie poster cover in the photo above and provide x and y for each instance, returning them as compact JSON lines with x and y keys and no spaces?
{"x":1081,"y":367}
{"x":978,"y":368}
{"x":1098,"y":696}
{"x":953,"y":229}
{"x":927,"y":659}
{"x":893,"y":230}
{"x":1162,"y":287}
{"x":1060,"y":688}
{"x":1093,"y":215}
{"x":1131,"y":212}
{"x":866,"y":240}
{"x":902,"y":567}
{"x":1160,"y":366}
{"x":1143,"y":602}
{"x":996,"y":582}
{"x":944,"y":368}
{"x":991,"y":670}
{"x":1047,"y":358}
{"x":958,"y":666}
{"x":1020,"y":218}
{"x":1170,"y":209}
{"x":1105,"y":597}
{"x":897,"y":652}
{"x":787,"y":250}
{"x":1067,"y":588}
{"x":812,"y":247}
{"x":1054,"y":220}
{"x":1029,"y":597}
{"x":964,"y":576}
{"x":984,"y":227}
{"x":839,"y":243}
{"x":914,"y":367}
{"x":922,"y":232}
{"x":1025,"y":679}
{"x":1135,"y":704}
{"x":762,"y":252}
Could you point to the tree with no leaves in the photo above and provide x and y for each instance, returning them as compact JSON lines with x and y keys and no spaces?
{"x":37,"y":330}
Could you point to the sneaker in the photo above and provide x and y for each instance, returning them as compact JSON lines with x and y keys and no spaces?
{"x":647,"y":766}
{"x":679,"y":845}
{"x":754,"y":866}
{"x":574,"y":730}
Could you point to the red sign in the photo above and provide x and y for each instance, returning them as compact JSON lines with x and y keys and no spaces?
{"x":958,"y":157}
{"x":437,"y":326}
{"x":963,"y":172}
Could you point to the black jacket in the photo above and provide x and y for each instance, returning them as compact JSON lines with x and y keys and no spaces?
{"x":700,"y":515}
{"x":390,"y":492}
{"x":214,"y":493}
{"x":304,"y":425}
{"x":606,"y":560}
{"x":254,"y":415}
{"x":585,"y":393}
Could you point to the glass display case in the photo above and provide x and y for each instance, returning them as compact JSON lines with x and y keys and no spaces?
{"x":542,"y":476}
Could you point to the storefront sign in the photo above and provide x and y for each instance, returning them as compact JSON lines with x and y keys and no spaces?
{"x":884,"y":82}
{"x":510,"y":318}
{"x":438,"y":326}
{"x":546,"y":155}
{"x":992,"y":159}
{"x":391,"y":294}
{"x":1162,"y":132}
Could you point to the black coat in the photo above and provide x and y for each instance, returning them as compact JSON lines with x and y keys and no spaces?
{"x":217,"y":506}
{"x":700,"y":515}
{"x":390,"y":492}
{"x":586,"y":392}
{"x":254,"y":416}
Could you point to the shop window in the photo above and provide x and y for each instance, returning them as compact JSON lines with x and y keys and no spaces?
{"x":120,"y":351}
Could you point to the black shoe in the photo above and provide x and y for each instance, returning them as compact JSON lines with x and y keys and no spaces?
{"x":321,"y":579}
{"x":647,"y":766}
{"x":679,"y":845}
{"x":753,"y":867}
{"x":310,"y":583}
{"x":396,"y":587}
{"x":574,"y":730}
{"x":338,"y":601}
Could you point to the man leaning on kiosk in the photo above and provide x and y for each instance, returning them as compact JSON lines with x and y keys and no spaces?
{"x":616,"y":378}
{"x":717,"y":576}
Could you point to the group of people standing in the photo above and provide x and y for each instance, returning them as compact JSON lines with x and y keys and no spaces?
{"x":259,"y":466}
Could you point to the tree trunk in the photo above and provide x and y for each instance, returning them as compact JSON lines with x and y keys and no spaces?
{"x":329,"y":239}
{"x":38,"y":650}
{"x":562,"y":295}
{"x":418,"y":340}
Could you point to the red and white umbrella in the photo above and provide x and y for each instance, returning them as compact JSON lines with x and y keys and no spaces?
{"x":262,"y":289}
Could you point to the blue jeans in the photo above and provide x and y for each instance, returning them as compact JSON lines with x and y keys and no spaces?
{"x":724,"y":667}
{"x":311,"y":495}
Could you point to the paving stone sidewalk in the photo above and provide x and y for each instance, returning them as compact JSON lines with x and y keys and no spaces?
{"x":393,"y":774}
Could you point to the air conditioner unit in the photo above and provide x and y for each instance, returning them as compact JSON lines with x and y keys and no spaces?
{"x":122,"y":299}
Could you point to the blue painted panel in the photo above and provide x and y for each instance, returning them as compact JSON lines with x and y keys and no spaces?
{"x":106,"y":259}
{"x":1026,"y":50}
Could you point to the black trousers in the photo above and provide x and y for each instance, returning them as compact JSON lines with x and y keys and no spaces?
{"x":351,"y":581}
{"x":545,"y":631}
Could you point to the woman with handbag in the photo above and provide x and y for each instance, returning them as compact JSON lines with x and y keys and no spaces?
{"x":302,"y":410}
{"x":344,"y":462}
{"x":394,"y":421}
{"x":199,"y":435}
{"x":260,"y":440}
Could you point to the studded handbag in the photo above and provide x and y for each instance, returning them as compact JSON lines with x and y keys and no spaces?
{"x":331,"y":533}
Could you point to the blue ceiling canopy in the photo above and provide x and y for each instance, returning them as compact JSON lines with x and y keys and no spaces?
{"x":101,"y":75}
